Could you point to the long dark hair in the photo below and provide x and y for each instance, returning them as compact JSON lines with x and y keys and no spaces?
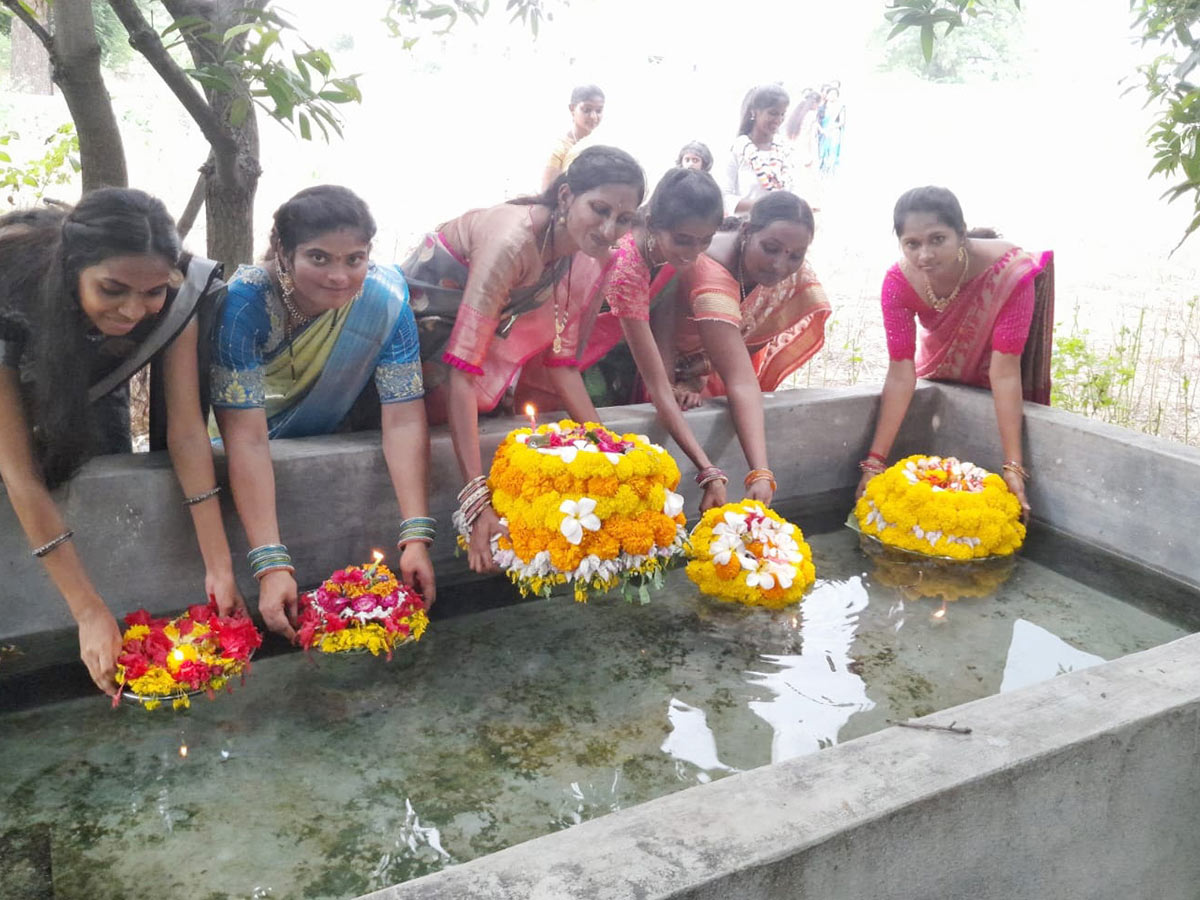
{"x":42,"y":254}
{"x":315,"y":211}
{"x":593,"y":167}
{"x":760,"y":98}
{"x":685,"y":194}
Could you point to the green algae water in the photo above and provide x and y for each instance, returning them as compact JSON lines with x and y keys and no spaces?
{"x":333,"y":777}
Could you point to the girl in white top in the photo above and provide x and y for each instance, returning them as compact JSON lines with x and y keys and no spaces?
{"x":756,"y":163}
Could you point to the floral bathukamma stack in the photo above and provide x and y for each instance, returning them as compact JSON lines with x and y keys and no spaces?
{"x":746,"y":553}
{"x":170,"y":659}
{"x":361,"y":608}
{"x":941,"y":506}
{"x":584,"y":506}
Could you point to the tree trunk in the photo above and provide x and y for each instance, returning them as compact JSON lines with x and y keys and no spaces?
{"x":229,"y":193}
{"x":77,"y":73}
{"x":29,"y":59}
{"x":233,"y":171}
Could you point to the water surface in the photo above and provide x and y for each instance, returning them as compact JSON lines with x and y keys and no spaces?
{"x":334,"y":778}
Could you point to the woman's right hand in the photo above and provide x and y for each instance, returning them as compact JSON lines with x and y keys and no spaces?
{"x":479,"y":551}
{"x":99,"y":647}
{"x":277,"y":602}
{"x":714,"y":495}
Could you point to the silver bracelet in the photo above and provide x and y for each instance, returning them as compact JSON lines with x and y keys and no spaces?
{"x":200,"y":498}
{"x":50,"y":545}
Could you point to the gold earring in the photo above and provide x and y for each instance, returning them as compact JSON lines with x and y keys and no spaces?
{"x":286,"y":284}
{"x":962,"y":253}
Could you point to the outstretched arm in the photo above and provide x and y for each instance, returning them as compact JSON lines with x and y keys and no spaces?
{"x":406,"y":449}
{"x":898,"y":389}
{"x":99,"y":636}
{"x":463,"y":418}
{"x":1004,"y":373}
{"x":191,"y":456}
{"x":568,"y":382}
{"x":253,"y":480}
{"x":731,"y":359}
{"x":650,"y":364}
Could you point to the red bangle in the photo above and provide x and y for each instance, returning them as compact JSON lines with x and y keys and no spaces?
{"x":879,"y":456}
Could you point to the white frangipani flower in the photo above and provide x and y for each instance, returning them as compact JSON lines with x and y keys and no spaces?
{"x":673,"y":505}
{"x":578,"y":515}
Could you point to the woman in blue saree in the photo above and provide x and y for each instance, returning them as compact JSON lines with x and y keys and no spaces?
{"x":299,"y":339}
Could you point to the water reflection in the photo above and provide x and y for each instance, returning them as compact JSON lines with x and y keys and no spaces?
{"x":815,"y":691}
{"x":1036,"y":655}
{"x":692,"y":741}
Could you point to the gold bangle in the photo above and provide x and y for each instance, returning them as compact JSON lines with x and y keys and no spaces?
{"x":1017,"y":468}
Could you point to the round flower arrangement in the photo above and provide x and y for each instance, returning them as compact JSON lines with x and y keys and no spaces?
{"x":584,"y":506}
{"x":361,"y":608}
{"x":746,"y":553}
{"x":939,"y":506}
{"x":170,"y":659}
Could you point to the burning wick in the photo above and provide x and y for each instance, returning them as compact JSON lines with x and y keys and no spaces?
{"x":378,"y":558}
{"x":531,"y":411}
{"x":183,"y":750}
{"x":177,"y":655}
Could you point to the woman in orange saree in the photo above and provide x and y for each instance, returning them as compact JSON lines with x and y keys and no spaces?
{"x":985,"y":308}
{"x":758,"y":281}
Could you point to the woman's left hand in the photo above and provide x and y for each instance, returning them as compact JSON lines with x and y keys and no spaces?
{"x":761,"y":491}
{"x":1016,"y":484}
{"x":222,"y":587}
{"x":416,"y":570}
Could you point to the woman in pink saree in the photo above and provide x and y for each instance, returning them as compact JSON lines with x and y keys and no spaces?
{"x":985,"y":308}
{"x":498,"y":287}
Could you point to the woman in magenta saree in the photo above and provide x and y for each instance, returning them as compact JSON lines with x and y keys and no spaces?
{"x":985,"y":309}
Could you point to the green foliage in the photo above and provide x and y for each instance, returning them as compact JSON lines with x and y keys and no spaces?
{"x":1170,"y":89}
{"x":926,"y":15}
{"x":1092,"y":382}
{"x":56,"y":166}
{"x":993,"y":46}
{"x":406,"y":18}
{"x":263,"y":62}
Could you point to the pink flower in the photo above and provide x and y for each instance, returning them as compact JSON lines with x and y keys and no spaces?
{"x":365,"y":603}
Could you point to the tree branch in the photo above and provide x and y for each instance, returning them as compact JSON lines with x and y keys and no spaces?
{"x":188,"y":218}
{"x":146,"y":41}
{"x":34,"y":25}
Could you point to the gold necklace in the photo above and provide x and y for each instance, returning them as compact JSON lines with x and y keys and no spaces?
{"x":561,"y":323}
{"x":940,"y":303}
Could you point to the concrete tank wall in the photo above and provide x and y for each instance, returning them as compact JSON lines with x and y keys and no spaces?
{"x":335,"y":502}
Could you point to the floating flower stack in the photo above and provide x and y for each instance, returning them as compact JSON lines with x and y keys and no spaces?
{"x":361,"y":608}
{"x":940,"y":506}
{"x":169,"y":659}
{"x":584,"y":506}
{"x":746,"y":553}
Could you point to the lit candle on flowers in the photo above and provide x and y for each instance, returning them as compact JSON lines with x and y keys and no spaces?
{"x":377,"y":558}
{"x":531,"y":411}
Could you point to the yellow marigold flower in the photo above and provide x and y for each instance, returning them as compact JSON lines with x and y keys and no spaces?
{"x":941,"y":507}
